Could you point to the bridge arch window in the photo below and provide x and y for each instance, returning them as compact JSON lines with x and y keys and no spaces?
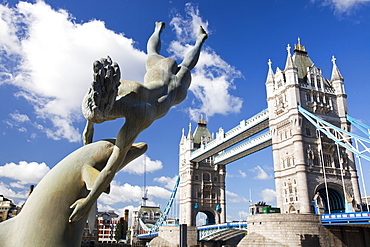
{"x":336,"y":200}
{"x":308,"y":131}
{"x":308,"y":97}
{"x":288,"y":162}
{"x":290,"y":189}
{"x":321,"y":99}
{"x":206,"y":177}
{"x":206,"y":194}
{"x":327,"y":160}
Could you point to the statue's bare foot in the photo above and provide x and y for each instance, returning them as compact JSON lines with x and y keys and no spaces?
{"x":202,"y":36}
{"x":159,"y":26}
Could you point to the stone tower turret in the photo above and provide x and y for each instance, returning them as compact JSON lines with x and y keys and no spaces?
{"x":300,"y":153}
{"x":202,"y":184}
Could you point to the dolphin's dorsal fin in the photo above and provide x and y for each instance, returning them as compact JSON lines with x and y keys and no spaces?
{"x":89,"y":175}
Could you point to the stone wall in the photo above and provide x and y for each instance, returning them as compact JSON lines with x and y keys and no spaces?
{"x":287,"y":230}
{"x":169,"y":236}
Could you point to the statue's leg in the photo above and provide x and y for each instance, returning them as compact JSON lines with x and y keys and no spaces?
{"x":191,"y":58}
{"x":154,"y":42}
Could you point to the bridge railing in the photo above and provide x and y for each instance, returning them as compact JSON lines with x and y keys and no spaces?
{"x":244,"y":125}
{"x":206,"y":231}
{"x":346,"y":218}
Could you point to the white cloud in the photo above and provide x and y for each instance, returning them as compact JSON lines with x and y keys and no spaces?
{"x":11,"y":194}
{"x":261,"y":174}
{"x":131,"y":193}
{"x":17,"y":185}
{"x":49,"y":58}
{"x":54,"y":56}
{"x":26,"y":173}
{"x":137,"y":166}
{"x":242,"y":174}
{"x":121,"y":193}
{"x":167,"y":182}
{"x":232,"y":194}
{"x":235,"y":198}
{"x":342,"y":6}
{"x":212,"y":78}
{"x":242,"y":215}
{"x":17,"y":120}
{"x":104,"y":208}
{"x":18,"y":117}
{"x":155,"y":191}
{"x":268,"y":195}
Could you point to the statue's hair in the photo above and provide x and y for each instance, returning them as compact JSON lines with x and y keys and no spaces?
{"x":102,"y":93}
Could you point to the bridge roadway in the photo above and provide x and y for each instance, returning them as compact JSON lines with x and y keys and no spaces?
{"x":243,"y":131}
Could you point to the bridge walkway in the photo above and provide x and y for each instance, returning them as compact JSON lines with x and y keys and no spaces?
{"x":243,"y":131}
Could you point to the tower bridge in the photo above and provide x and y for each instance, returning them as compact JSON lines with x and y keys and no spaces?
{"x":308,"y":127}
{"x":308,"y":166}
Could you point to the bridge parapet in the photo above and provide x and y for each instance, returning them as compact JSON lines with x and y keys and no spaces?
{"x":234,"y":132}
{"x":221,"y":230}
{"x":358,"y":218}
{"x":254,"y":142}
{"x":245,"y":124}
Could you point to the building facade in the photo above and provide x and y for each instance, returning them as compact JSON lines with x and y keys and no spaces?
{"x":7,"y":209}
{"x":302,"y":155}
{"x":148,"y":215}
{"x":107,"y":226}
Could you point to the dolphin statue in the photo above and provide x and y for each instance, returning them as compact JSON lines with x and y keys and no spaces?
{"x":44,"y":219}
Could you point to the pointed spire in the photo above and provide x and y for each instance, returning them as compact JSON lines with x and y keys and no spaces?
{"x":335,"y":74}
{"x":190,"y":134}
{"x":182,"y":136}
{"x":270,"y":73}
{"x":289,"y":61}
{"x":288,"y":49}
{"x":299,"y":47}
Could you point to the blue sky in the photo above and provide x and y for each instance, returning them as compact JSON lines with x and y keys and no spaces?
{"x":46,"y":55}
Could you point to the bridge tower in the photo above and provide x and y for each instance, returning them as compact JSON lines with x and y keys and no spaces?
{"x":202,"y":184}
{"x":307,"y":163}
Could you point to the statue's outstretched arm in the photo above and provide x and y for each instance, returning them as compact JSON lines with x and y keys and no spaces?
{"x":116,"y":161}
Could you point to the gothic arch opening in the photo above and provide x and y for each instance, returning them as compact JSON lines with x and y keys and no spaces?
{"x":206,"y":176}
{"x":292,"y":210}
{"x":205,"y":218}
{"x":336,"y":199}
